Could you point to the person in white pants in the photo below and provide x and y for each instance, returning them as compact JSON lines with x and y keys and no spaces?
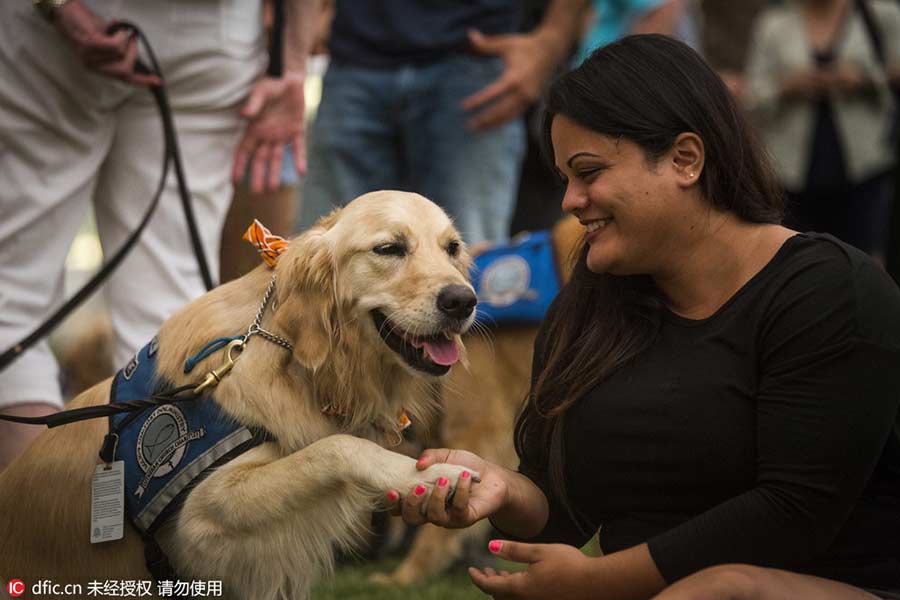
{"x":78,"y":126}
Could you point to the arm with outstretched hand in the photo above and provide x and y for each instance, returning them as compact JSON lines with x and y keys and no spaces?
{"x":276,"y":106}
{"x":518,"y":507}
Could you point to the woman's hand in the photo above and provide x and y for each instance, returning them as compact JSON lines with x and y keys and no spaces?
{"x":807,"y":84}
{"x":471,"y":501}
{"x":554,"y":571}
{"x":848,"y":79}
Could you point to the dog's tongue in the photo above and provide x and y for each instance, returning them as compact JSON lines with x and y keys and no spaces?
{"x":443,"y":352}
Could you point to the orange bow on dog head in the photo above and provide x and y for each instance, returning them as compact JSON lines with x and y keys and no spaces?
{"x":269,"y":245}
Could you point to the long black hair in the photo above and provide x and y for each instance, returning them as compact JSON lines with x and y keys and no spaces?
{"x":647,"y":89}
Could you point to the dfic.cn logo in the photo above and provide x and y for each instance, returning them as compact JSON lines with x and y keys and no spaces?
{"x":15,"y":588}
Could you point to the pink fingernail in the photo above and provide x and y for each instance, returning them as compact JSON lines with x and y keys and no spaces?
{"x":465,"y":475}
{"x":393,"y":496}
{"x":420,"y":489}
{"x":495,"y":546}
{"x":421,"y":460}
{"x":442,"y":481}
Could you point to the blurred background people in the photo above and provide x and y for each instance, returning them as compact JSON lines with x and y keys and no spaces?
{"x":428,"y":97}
{"x":819,"y":95}
{"x":613,"y":19}
{"x":725,"y":37}
{"x":77,"y":129}
{"x":272,"y":196}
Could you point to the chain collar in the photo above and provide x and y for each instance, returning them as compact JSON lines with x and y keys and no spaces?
{"x":256,"y":329}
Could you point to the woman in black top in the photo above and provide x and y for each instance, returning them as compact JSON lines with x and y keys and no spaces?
{"x":716,"y":394}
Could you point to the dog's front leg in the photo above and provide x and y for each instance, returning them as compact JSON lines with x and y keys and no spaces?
{"x":266,"y":524}
{"x":377,"y":469}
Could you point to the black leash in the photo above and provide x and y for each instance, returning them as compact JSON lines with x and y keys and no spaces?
{"x":172,"y":154}
{"x":64,"y":417}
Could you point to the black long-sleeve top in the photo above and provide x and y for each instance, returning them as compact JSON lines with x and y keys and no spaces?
{"x":765,"y":434}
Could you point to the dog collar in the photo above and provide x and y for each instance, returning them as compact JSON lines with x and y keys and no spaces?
{"x":234,"y":345}
{"x":270,"y":247}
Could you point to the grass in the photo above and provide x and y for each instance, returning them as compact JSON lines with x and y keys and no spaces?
{"x":351,"y":583}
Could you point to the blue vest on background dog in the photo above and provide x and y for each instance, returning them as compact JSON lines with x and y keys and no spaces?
{"x":168,"y":448}
{"x":516,"y":282}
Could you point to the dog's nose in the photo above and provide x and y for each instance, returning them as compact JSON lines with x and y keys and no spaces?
{"x":457,"y":301}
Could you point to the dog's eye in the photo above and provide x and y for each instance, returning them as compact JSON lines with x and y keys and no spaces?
{"x":453,"y":248}
{"x":393,"y":249}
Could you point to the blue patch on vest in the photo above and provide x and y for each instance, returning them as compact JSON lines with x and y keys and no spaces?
{"x":516,"y":282}
{"x":165,"y":448}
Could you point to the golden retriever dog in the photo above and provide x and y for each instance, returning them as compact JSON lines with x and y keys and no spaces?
{"x":481,"y":402}
{"x":373,"y":300}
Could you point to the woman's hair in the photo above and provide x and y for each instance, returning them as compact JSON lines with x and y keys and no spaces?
{"x":647,"y":89}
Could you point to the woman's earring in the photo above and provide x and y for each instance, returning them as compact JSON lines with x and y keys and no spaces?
{"x":691,"y":175}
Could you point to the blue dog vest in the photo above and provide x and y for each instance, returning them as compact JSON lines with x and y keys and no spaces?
{"x":168,"y":448}
{"x":516,"y":282}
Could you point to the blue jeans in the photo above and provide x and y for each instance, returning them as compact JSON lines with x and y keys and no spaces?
{"x":403,"y":128}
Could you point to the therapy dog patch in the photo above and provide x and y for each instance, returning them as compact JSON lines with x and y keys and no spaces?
{"x":162,"y":442}
{"x":516,"y":282}
{"x":166,"y":448}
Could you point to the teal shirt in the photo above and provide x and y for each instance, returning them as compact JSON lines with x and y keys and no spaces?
{"x":614,"y":20}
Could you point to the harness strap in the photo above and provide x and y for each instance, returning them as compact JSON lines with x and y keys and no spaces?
{"x":158,"y":564}
{"x":207,"y":349}
{"x":156,"y":560}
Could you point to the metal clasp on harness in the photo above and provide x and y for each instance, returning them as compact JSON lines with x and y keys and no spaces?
{"x":216,"y":375}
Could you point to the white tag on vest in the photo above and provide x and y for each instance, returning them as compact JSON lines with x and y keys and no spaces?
{"x":108,"y":502}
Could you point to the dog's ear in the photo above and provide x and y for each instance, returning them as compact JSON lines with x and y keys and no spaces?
{"x":306,"y":306}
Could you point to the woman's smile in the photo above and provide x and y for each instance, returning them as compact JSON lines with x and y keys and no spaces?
{"x":594,"y":228}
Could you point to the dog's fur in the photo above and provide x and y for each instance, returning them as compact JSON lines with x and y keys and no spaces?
{"x":267,"y":522}
{"x":481,"y":402}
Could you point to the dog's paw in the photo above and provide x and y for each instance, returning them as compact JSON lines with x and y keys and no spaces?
{"x":451,"y":472}
{"x":430,"y":476}
{"x":385,"y":470}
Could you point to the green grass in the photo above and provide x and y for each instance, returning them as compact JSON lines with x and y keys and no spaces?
{"x":351,"y":582}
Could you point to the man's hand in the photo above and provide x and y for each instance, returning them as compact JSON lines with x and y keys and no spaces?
{"x":554,"y":571}
{"x":113,"y":55}
{"x":529,"y":59}
{"x":275,"y":114}
{"x":528,"y":65}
